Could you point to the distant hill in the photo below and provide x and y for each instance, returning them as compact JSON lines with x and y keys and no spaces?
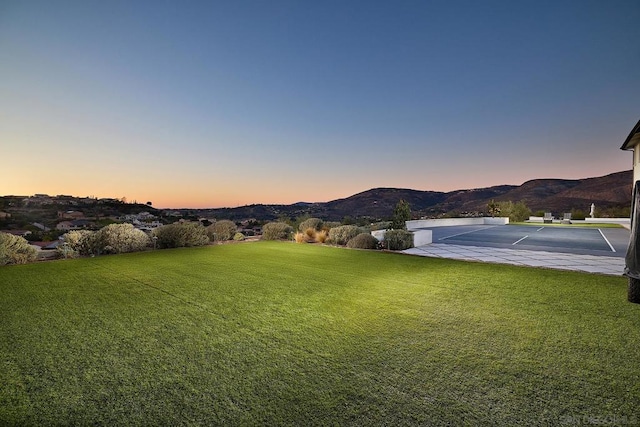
{"x":550,"y":195}
{"x":559,"y":195}
{"x":611,"y":191}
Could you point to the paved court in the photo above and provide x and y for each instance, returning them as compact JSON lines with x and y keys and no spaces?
{"x":594,"y":250}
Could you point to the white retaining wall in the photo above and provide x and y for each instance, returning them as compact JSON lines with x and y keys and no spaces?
{"x":448,"y":222}
{"x":378,"y":234}
{"x":625,"y":222}
{"x":420,"y":237}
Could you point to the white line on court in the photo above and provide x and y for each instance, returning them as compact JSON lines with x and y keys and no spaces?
{"x":540,"y":229}
{"x":518,"y":241}
{"x":606,"y":240}
{"x":466,"y":232}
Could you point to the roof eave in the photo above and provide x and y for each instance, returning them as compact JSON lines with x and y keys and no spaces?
{"x":633,"y":139}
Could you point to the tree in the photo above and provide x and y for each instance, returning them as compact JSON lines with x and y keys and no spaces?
{"x":517,"y":212}
{"x":401,"y":214}
{"x":493,"y":208}
{"x":348,"y":220}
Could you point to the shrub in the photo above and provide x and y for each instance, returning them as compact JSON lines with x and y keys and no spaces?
{"x":516,"y":212}
{"x":65,"y":251}
{"x":578,"y":214}
{"x":16,"y":250}
{"x":322,"y":236}
{"x":222,"y":230}
{"x":398,"y":240}
{"x":121,"y":238}
{"x":114,"y":238}
{"x":276,"y":231}
{"x":78,"y":242}
{"x":363,"y":241}
{"x":238,"y":237}
{"x":181,"y":234}
{"x":313,"y":223}
{"x":311,"y":234}
{"x":342,"y":234}
{"x":328,"y":225}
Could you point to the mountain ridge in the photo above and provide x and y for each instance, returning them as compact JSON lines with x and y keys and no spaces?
{"x":547,"y":194}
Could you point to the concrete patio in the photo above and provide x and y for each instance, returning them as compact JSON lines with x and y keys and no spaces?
{"x":555,"y":260}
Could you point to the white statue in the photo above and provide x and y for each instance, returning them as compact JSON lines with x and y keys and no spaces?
{"x":592,"y":211}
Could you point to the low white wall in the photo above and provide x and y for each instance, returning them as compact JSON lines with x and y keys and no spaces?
{"x":448,"y":222}
{"x":501,"y":220}
{"x":422,"y":237}
{"x":378,"y":234}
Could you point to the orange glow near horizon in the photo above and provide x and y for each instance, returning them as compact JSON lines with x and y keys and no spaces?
{"x":179,"y":195}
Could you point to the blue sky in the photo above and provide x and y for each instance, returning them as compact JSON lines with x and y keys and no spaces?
{"x":208,"y":104}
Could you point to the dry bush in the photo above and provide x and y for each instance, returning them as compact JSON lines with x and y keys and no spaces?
{"x":311,"y":234}
{"x":322,"y":236}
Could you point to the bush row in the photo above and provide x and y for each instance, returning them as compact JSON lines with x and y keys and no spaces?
{"x":112,"y":239}
{"x":122,"y":238}
{"x":313,"y":230}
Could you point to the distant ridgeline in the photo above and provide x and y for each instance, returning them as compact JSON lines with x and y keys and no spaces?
{"x":611,"y":195}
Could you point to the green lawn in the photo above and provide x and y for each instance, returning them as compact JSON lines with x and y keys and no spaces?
{"x":275,"y":333}
{"x":573,"y":224}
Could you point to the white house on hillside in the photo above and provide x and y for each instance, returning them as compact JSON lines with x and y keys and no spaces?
{"x":633,"y":143}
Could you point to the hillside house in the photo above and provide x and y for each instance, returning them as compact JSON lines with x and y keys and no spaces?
{"x":633,"y":143}
{"x":76,"y":224}
{"x":70,"y":215}
{"x":65,"y":226}
{"x":38,"y":200}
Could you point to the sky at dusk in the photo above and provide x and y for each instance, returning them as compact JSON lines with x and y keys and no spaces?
{"x":221,"y":104}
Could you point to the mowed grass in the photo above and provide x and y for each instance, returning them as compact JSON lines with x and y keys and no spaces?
{"x":275,"y":333}
{"x":573,"y":224}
